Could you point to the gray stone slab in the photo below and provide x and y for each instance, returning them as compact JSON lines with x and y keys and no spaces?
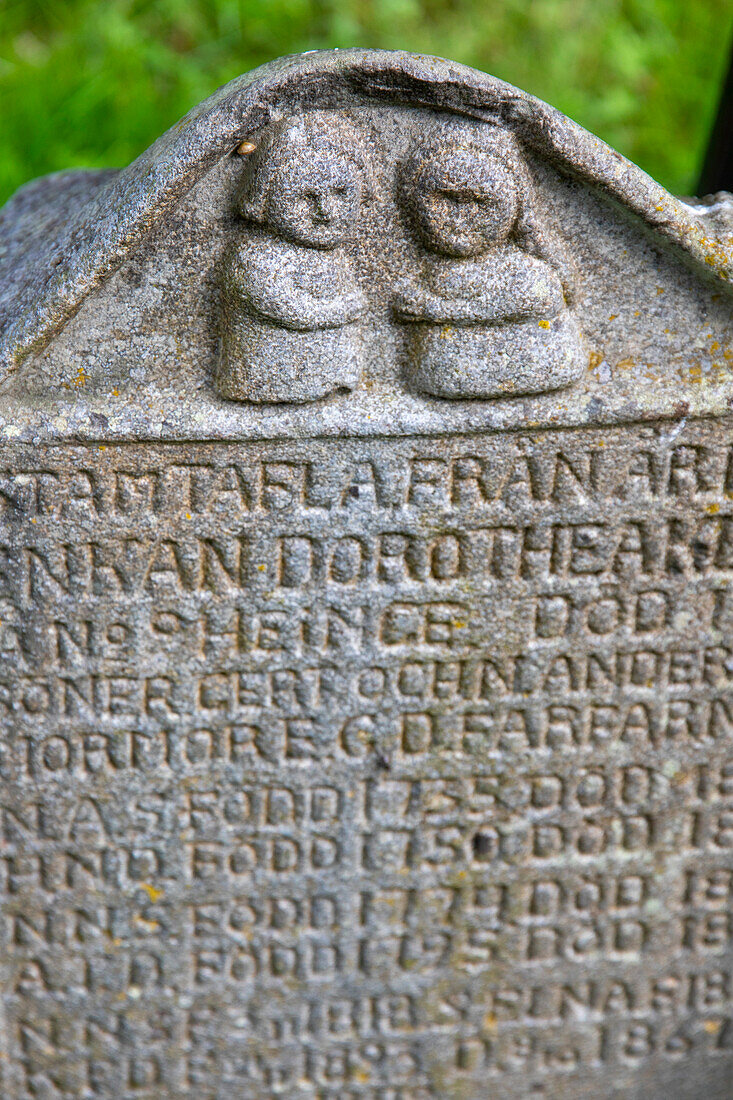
{"x":366,"y":607}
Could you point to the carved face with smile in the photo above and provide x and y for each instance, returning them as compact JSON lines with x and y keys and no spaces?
{"x":463,"y":200}
{"x":315,"y":201}
{"x":307,"y":182}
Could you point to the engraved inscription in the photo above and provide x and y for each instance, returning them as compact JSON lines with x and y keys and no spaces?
{"x":398,"y":769}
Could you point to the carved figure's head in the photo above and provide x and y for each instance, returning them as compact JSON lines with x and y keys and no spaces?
{"x":467,"y":192}
{"x":307,"y":180}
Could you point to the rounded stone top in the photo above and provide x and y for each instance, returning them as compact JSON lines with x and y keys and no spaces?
{"x":64,"y":235}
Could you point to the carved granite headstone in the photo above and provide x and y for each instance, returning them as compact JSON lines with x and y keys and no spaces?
{"x":366,"y":607}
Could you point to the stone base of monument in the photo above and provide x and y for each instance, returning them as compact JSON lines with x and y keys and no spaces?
{"x":366,"y":705}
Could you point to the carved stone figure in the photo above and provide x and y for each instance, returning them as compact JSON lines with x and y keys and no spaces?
{"x":489,"y":314}
{"x":291,"y":300}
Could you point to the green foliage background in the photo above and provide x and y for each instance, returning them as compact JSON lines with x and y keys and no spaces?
{"x":84,"y":82}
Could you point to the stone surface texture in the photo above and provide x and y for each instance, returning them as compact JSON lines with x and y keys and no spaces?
{"x":366,"y":607}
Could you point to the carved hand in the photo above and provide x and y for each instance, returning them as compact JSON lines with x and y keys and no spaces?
{"x":413,"y":303}
{"x":496,"y":300}
{"x":296,"y":309}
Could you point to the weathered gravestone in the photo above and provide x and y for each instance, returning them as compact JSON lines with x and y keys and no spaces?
{"x":366,"y":607}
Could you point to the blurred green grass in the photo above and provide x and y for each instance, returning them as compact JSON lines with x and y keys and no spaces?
{"x":89,"y":83}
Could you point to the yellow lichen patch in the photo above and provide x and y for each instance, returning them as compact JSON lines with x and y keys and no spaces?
{"x":712,"y":1026}
{"x":625,"y":364}
{"x":594,"y":359}
{"x":150,"y":925}
{"x":717,"y":256}
{"x":694,"y":374}
{"x":544,"y":324}
{"x":612,"y":316}
{"x":81,"y":378}
{"x":153,"y":893}
{"x":712,"y":509}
